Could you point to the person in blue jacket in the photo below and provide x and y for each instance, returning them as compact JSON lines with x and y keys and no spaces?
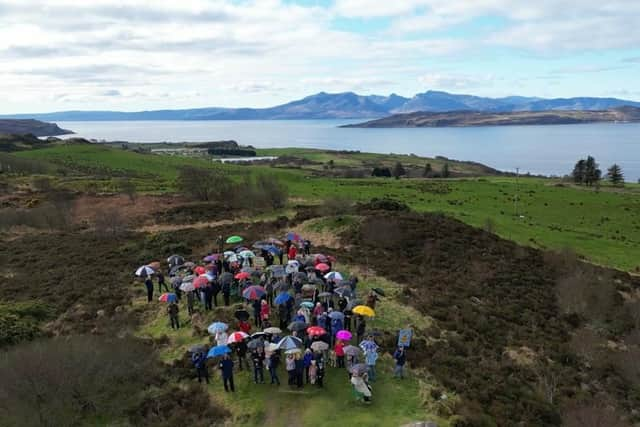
{"x":200,"y":363}
{"x":226,"y":367}
{"x":306,"y":359}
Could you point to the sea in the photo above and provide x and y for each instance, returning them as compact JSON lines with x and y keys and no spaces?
{"x":550,"y":150}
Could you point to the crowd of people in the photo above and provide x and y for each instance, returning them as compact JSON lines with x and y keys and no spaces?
{"x":320,"y":309}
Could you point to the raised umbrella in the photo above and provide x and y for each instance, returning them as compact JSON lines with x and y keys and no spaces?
{"x":176,"y":281}
{"x":199,"y":270}
{"x":344,"y":292}
{"x":254,"y":293}
{"x":216,"y":327}
{"x":258,"y":335}
{"x":275,"y":241}
{"x":379,"y":291}
{"x":352,"y":350}
{"x":168,"y":297}
{"x":293,"y":236}
{"x":175,"y":260}
{"x":218,"y":350}
{"x":247,"y":254}
{"x":353,"y":303}
{"x":359,"y":369}
{"x":277,"y":270}
{"x":322,"y":267}
{"x":234,"y":239}
{"x":307,"y":304}
{"x":211,"y":258}
{"x":155,"y":265}
{"x":243,"y":275}
{"x":237,"y":337}
{"x":274,"y":249}
{"x":289,"y":342}
{"x":242,"y":315}
{"x":144,"y":271}
{"x":282,"y":298}
{"x":333,"y":275}
{"x":319,"y":346}
{"x":189,"y":264}
{"x":253,"y":344}
{"x":293,"y":351}
{"x":300,"y":276}
{"x":273,"y":330}
{"x":309,"y":287}
{"x":315,"y":331}
{"x":187,"y":287}
{"x":200,"y":282}
{"x":343,"y":335}
{"x":334,"y":315}
{"x":319,"y":258}
{"x":297,"y":326}
{"x":368,"y":345}
{"x":364,"y":310}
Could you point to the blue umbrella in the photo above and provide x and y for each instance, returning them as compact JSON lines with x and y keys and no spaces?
{"x":289,"y":343}
{"x":307,"y":304}
{"x":368,"y":345}
{"x":219,"y":350}
{"x":273,"y":249}
{"x":336,"y":315}
{"x":216,"y":327}
{"x":282,"y":298}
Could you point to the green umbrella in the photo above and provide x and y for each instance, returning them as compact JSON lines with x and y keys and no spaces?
{"x":234,"y":239}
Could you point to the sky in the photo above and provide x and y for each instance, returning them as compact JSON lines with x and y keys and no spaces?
{"x":139,"y":55}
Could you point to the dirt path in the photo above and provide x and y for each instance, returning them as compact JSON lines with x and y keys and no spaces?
{"x":157,"y":228}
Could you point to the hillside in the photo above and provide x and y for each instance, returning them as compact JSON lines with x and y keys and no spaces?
{"x":470,"y":119}
{"x":349,"y":105}
{"x":30,"y":126}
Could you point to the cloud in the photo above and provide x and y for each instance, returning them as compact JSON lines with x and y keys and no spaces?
{"x":111,"y":92}
{"x":447,"y":81}
{"x":634,"y":60}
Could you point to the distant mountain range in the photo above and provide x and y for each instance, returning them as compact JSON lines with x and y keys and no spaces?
{"x":348,"y":105}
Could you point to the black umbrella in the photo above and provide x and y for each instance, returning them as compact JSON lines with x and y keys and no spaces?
{"x":344,"y":292}
{"x":253,"y":344}
{"x":297,"y":326}
{"x":379,"y":291}
{"x":359,"y":369}
{"x":198,"y":348}
{"x":302,"y":277}
{"x":175,"y":260}
{"x":258,"y":335}
{"x":242,"y":315}
{"x":353,"y":303}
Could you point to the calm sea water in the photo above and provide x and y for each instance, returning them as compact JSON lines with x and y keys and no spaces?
{"x":548,"y":150}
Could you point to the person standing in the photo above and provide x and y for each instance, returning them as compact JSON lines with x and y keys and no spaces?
{"x":190,"y":300}
{"x":200,"y":363}
{"x":307,"y":359}
{"x":215,"y":290}
{"x":361,"y":328}
{"x":241,"y":351}
{"x":226,"y":367}
{"x":400,"y":357}
{"x":258,"y":364}
{"x":292,"y":253}
{"x":161,"y":282}
{"x":173,"y":310}
{"x":208,"y":295}
{"x":265,"y":311}
{"x":307,"y":247}
{"x":226,"y":292}
{"x":244,"y":326}
{"x":320,"y":371}
{"x":371,"y":357}
{"x":299,"y":364}
{"x":339,"y":349}
{"x":272,"y":363}
{"x":149,"y":284}
{"x":257,"y":307}
{"x":290,"y":365}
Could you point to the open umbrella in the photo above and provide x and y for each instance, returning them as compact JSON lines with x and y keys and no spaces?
{"x":168,"y":297}
{"x":369,"y":345}
{"x":364,"y":310}
{"x":236,"y":337}
{"x":336,"y":315}
{"x":274,"y":249}
{"x":242,"y":315}
{"x":344,"y":292}
{"x":243,"y":275}
{"x":175,"y":260}
{"x":309,"y":288}
{"x":189,"y":264}
{"x":199,"y":270}
{"x":275,"y":241}
{"x":254,"y":293}
{"x":289,"y":342}
{"x":211,"y":258}
{"x":352,"y":350}
{"x":218,"y":350}
{"x":333,"y":275}
{"x":187,"y":287}
{"x":319,"y":346}
{"x":282,"y":298}
{"x":226,"y":278}
{"x":315,"y":331}
{"x":155,"y":265}
{"x":197,"y":348}
{"x":322,"y":267}
{"x":379,"y":291}
{"x":273,"y":330}
{"x":271,"y":347}
{"x":144,"y":271}
{"x":307,"y":304}
{"x":176,"y":281}
{"x":200,"y":282}
{"x":247,"y":254}
{"x":319,"y":258}
{"x":216,"y":327}
{"x":258,"y":335}
{"x":253,"y":344}
{"x":353,"y":303}
{"x":297,"y":326}
{"x":177,"y":269}
{"x":293,"y":351}
{"x":277,"y":270}
{"x":234,"y":239}
{"x":293,"y":236}
{"x":343,"y":335}
{"x":359,"y":369}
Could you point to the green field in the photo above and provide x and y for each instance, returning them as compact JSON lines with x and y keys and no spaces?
{"x":601,"y":225}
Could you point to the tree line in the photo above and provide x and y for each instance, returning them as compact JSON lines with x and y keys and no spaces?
{"x":399,"y":170}
{"x":587,"y":172}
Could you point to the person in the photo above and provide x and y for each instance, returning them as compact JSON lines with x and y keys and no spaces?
{"x":257,"y":306}
{"x":226,"y":367}
{"x":272,"y":364}
{"x":307,"y":247}
{"x":313,"y":372}
{"x":258,"y":364}
{"x":339,"y":349}
{"x":372,"y":298}
{"x":208,"y":295}
{"x":290,"y":365}
{"x":360,"y":329}
{"x":282,"y":315}
{"x":221,"y":338}
{"x":244,"y":326}
{"x":172,"y":311}
{"x":370,"y":358}
{"x":292,"y":253}
{"x":241,"y":351}
{"x":318,"y":310}
{"x":359,"y":382}
{"x":348,"y":314}
{"x":190,"y":300}
{"x":299,"y":364}
{"x":307,"y":359}
{"x":161,"y":282}
{"x":215,"y":290}
{"x":265,"y":311}
{"x":269,"y":288}
{"x":149,"y":284}
{"x":200,"y":363}
{"x":226,"y":292}
{"x":320,"y":372}
{"x":400,"y":357}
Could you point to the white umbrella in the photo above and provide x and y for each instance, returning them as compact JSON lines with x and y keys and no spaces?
{"x":333,"y":275}
{"x":187,"y":287}
{"x":144,"y":271}
{"x":247,"y":254}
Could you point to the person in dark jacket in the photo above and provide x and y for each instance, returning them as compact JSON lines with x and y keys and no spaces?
{"x":258,"y":365}
{"x":208,"y":295}
{"x":257,"y":305}
{"x":307,"y":247}
{"x":149,"y":284}
{"x":191,"y":299}
{"x":307,"y":358}
{"x":199,"y":361}
{"x":241,"y":351}
{"x":215,"y":290}
{"x":320,"y":374}
{"x":361,"y":328}
{"x":400,"y":357}
{"x":273,"y":363}
{"x":226,"y":292}
{"x":299,"y":371}
{"x":173,"y":310}
{"x":226,"y":367}
{"x":161,"y":282}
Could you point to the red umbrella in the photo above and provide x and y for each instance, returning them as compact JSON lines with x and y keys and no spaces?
{"x":315,"y":330}
{"x":199,"y":270}
{"x":236,"y":337}
{"x":200,"y":282}
{"x":320,"y":258}
{"x":254,"y":293}
{"x":323,"y":267}
{"x":242,"y":275}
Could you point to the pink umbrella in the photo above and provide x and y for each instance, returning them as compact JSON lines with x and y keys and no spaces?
{"x":323,"y":267}
{"x":242,"y":275}
{"x":236,"y":337}
{"x":344,"y":335}
{"x":199,"y":270}
{"x":200,"y":282}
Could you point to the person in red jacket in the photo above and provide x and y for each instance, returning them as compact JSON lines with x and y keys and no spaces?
{"x":293,"y":251}
{"x":339,"y":349}
{"x":265,"y":310}
{"x":244,"y":326}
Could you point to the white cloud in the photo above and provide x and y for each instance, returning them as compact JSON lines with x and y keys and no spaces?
{"x":453,"y":81}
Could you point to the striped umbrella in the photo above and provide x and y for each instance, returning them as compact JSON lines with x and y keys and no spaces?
{"x":254,"y":293}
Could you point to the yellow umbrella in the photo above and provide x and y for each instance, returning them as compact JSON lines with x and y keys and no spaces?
{"x":364,"y":310}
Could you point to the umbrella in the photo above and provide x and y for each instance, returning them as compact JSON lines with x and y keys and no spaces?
{"x":282,"y":286}
{"x":293,"y":236}
{"x":197,"y":348}
{"x":211,"y":258}
{"x":242,"y":315}
{"x":353,"y":303}
{"x":379,"y":292}
{"x":320,"y":346}
{"x":289,"y":342}
{"x":359,"y":369}
{"x":168,"y":297}
{"x":297,"y":326}
{"x":236,"y":337}
{"x":336,"y":315}
{"x":273,"y":249}
{"x":293,"y":263}
{"x":175,"y":260}
{"x":199,"y":270}
{"x":187,"y":287}
{"x":188,"y":278}
{"x":242,"y":275}
{"x":189,"y":264}
{"x":364,"y":310}
{"x":352,"y":350}
{"x":300,"y":276}
{"x":175,"y":270}
{"x":271,"y":347}
{"x":253,"y":344}
{"x":176,"y":281}
{"x":258,"y":335}
{"x":210,"y":276}
{"x":249,"y":270}
{"x":273,"y":330}
{"x":325,"y":294}
{"x":216,"y":327}
{"x":307,"y":304}
{"x":144,"y":271}
{"x":344,"y":292}
{"x":234,"y":239}
{"x":323,"y":267}
{"x":200,"y":282}
{"x":368,"y":345}
{"x":247,"y":254}
{"x":274,"y":241}
{"x":282,"y":298}
{"x":219,"y":350}
{"x":254,"y":293}
{"x":290,"y":269}
{"x":277,"y":270}
{"x":315,"y":331}
{"x":293,"y":351}
{"x":320,"y":258}
{"x":333,"y":275}
{"x":343,"y":335}
{"x":155,"y":265}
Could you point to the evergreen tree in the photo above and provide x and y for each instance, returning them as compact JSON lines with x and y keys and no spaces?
{"x":445,"y":171}
{"x":427,"y":171}
{"x":615,"y":175}
{"x":592,"y":174}
{"x":398,"y":170}
{"x":579,"y":170}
